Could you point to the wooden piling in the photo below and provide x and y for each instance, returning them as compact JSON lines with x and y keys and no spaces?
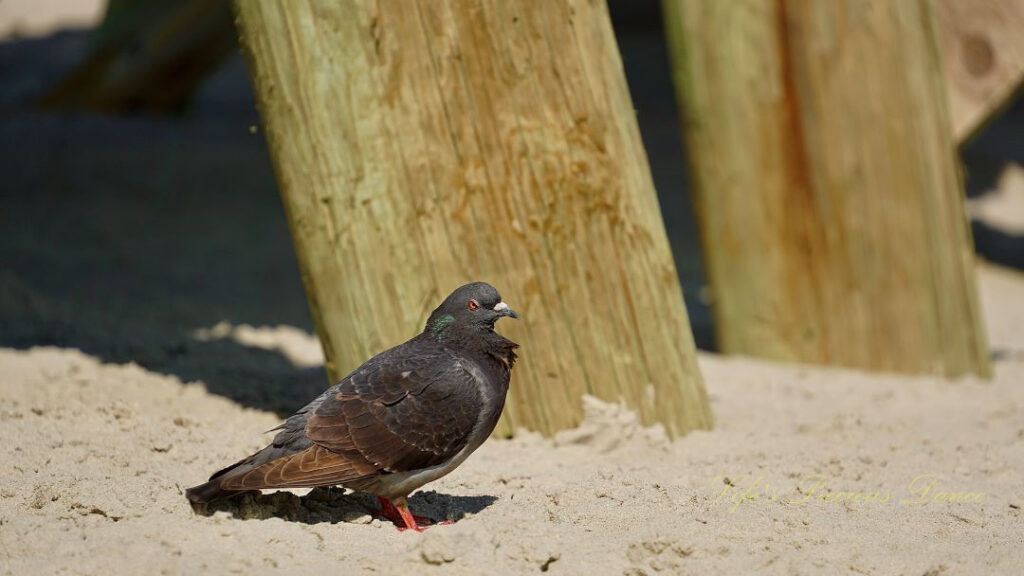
{"x":830,"y":204}
{"x":420,"y":145}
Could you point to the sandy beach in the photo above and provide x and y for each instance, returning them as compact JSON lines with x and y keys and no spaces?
{"x":153,"y":325}
{"x":809,"y":471}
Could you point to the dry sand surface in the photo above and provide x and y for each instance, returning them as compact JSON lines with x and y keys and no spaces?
{"x":21,"y":18}
{"x":96,"y":457}
{"x":133,"y":238}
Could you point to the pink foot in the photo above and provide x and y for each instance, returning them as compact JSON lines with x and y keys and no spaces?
{"x":398,"y":512}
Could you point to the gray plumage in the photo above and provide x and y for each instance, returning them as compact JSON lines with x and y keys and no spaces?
{"x":404,"y":418}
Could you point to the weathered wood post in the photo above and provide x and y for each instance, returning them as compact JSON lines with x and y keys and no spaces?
{"x":827,"y":187}
{"x":983,"y":56}
{"x":420,"y":145}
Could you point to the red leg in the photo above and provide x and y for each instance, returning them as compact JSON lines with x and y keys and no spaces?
{"x":399,"y":513}
{"x":411,"y":522}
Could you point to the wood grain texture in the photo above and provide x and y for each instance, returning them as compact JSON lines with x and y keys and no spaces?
{"x":421,"y":145}
{"x":983,"y":55}
{"x":830,"y":205}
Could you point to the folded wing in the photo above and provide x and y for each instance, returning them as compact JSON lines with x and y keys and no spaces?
{"x":386,"y":417}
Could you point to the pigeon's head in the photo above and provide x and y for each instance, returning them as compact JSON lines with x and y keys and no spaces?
{"x":475,"y":305}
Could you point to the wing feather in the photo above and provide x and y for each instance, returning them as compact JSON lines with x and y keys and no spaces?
{"x":403,"y":410}
{"x":315,"y":466}
{"x":401,"y":416}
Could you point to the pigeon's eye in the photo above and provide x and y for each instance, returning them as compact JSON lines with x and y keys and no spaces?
{"x":472,"y":305}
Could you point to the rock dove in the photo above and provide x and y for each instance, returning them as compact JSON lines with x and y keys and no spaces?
{"x":406,"y":417}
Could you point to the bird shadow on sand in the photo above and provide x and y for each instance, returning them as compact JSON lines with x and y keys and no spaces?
{"x":334,"y":505}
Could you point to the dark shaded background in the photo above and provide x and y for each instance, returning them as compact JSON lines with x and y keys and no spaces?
{"x":121,"y":235}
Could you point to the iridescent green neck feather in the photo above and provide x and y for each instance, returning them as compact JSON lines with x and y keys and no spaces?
{"x":438,"y":327}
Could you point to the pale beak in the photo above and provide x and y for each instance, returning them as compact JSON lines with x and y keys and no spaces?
{"x":504,"y":310}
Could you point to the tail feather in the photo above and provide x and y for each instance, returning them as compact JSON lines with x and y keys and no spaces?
{"x":208,"y":492}
{"x":211,"y":490}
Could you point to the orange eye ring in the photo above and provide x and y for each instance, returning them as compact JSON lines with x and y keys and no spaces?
{"x":472,"y":305}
